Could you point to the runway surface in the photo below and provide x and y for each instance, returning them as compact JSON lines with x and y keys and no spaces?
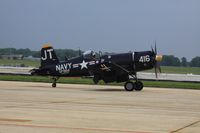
{"x":38,"y":108}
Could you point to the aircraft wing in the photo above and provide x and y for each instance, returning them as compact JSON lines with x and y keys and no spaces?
{"x":108,"y":70}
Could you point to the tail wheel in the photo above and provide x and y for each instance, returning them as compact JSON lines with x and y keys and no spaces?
{"x":138,"y":86}
{"x":129,"y":86}
{"x":54,"y":81}
{"x":53,"y":84}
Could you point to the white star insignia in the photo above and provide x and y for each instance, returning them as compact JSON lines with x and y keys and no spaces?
{"x":83,"y":64}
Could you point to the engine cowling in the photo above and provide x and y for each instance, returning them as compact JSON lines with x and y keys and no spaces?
{"x":143,"y":60}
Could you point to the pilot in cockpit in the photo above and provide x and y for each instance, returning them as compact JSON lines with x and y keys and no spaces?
{"x":89,"y":54}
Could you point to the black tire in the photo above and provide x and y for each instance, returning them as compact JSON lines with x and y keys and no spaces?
{"x":129,"y":86}
{"x":54,"y":85}
{"x":138,"y":86}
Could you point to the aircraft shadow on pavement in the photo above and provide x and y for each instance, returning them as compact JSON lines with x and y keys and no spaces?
{"x":39,"y":86}
{"x":106,"y":90}
{"x":99,"y":89}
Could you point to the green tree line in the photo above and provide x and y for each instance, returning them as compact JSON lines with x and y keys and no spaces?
{"x":171,"y":60}
{"x":168,"y":60}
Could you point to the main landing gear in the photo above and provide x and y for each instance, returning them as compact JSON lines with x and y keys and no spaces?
{"x":130,"y":86}
{"x":54,"y":81}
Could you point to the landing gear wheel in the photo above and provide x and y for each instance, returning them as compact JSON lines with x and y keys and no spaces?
{"x":129,"y":86}
{"x":138,"y":86}
{"x":54,"y":81}
{"x":54,"y":85}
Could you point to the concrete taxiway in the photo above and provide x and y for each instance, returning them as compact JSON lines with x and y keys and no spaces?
{"x":38,"y":108}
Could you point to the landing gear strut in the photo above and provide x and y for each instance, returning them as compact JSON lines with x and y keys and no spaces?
{"x":96,"y":78}
{"x":54,"y":81}
{"x":130,"y":86}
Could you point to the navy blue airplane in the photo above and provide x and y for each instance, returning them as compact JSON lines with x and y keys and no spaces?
{"x":109,"y":68}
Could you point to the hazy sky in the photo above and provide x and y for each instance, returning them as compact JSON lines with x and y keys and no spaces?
{"x":107,"y":25}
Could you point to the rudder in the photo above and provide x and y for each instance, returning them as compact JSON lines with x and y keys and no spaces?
{"x":48,"y":56}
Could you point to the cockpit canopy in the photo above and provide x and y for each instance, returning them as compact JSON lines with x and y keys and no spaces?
{"x":89,"y":54}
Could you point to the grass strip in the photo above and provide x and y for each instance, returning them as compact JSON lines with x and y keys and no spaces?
{"x":79,"y":80}
{"x":178,"y":70}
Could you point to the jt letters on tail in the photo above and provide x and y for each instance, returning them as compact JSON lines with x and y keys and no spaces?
{"x":45,"y":54}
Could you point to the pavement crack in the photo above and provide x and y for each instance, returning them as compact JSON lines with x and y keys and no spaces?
{"x":75,"y":128}
{"x":191,"y":124}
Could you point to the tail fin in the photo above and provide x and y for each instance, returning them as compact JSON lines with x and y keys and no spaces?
{"x":48,"y":56}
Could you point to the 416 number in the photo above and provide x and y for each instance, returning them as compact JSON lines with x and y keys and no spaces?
{"x":144,"y":59}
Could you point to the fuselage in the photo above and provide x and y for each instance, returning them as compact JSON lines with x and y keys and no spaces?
{"x":81,"y":66}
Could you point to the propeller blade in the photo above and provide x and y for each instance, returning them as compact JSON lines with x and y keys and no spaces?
{"x":152,"y":49}
{"x":156,"y":73}
{"x":159,"y":68}
{"x":157,"y":58}
{"x":155,"y":48}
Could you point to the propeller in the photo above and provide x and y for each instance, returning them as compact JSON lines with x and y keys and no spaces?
{"x":158,"y":58}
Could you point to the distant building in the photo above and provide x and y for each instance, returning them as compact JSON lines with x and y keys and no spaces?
{"x":31,"y":58}
{"x":12,"y":57}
